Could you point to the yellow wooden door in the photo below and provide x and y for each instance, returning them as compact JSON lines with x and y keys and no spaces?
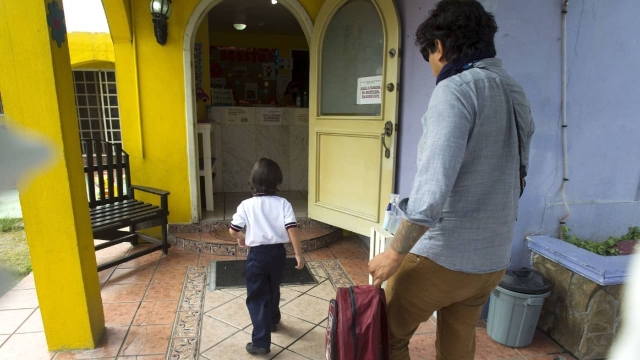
{"x":353,"y":112}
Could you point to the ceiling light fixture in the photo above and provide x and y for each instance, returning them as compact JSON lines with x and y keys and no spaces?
{"x":239,"y":26}
{"x":274,"y":2}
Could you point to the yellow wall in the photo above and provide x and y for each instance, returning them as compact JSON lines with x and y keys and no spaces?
{"x":91,"y":50}
{"x":151,"y":90}
{"x":54,"y":202}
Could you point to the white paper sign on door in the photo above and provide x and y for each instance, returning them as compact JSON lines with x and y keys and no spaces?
{"x":369,"y":90}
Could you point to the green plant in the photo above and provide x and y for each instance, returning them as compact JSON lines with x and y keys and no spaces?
{"x":605,"y":248}
{"x":10,"y":224}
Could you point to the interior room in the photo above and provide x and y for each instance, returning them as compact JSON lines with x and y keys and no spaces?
{"x":252,"y":90}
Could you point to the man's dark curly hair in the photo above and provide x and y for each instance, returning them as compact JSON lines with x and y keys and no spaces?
{"x":463,"y":26}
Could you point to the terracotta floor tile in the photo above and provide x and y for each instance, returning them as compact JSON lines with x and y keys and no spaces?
{"x":314,"y":233}
{"x":234,"y":313}
{"x":541,"y":345}
{"x":180,"y":259}
{"x":324,"y":291}
{"x":290,"y":329}
{"x":166,"y":274}
{"x":33,"y":323}
{"x":351,"y":253}
{"x":109,"y":345}
{"x":312,"y":344}
{"x":355,"y":266}
{"x":19,"y":299}
{"x":146,"y":260}
{"x":26,"y":283}
{"x":218,"y":236}
{"x":119,"y":314}
{"x":104,"y":275}
{"x":132,"y":275}
{"x":213,"y":332}
{"x":213,"y":299}
{"x":31,"y":346}
{"x":307,"y":308}
{"x":189,"y":236}
{"x":487,"y":349}
{"x":164,"y":291}
{"x":233,"y":349}
{"x":423,"y":346}
{"x":289,"y":355}
{"x":426,"y":327}
{"x":351,"y":242}
{"x":123,"y":293}
{"x":11,"y":320}
{"x":360,"y":279}
{"x":322,"y":254}
{"x":147,"y":340}
{"x":156,"y":313}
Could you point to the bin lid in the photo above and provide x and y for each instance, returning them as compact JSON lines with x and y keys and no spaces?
{"x":525,"y":281}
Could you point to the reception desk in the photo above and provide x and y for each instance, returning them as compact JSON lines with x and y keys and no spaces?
{"x":245,"y":134}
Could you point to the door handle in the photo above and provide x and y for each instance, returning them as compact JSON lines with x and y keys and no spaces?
{"x":388,"y":131}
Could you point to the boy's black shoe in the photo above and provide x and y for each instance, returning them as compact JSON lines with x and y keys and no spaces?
{"x":256,"y":350}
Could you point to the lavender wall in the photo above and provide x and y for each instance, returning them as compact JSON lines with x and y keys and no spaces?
{"x":603,"y":110}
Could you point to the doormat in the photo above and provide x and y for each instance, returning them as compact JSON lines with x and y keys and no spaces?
{"x":233,"y":274}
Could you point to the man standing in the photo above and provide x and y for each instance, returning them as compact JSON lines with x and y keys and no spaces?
{"x":454,"y":243}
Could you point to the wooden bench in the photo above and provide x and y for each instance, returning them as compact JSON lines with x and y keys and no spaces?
{"x":112,"y":203}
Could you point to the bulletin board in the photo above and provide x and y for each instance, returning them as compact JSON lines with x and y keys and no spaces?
{"x":250,"y":73}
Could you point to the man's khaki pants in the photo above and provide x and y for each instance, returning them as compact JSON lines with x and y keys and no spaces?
{"x":421,"y":287}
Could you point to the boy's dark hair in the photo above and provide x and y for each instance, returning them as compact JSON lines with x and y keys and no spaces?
{"x":265,"y":177}
{"x":464,"y":27}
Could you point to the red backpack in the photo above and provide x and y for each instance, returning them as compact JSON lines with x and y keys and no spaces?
{"x":357,"y":327}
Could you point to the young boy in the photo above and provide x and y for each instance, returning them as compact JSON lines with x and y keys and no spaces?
{"x":270,"y":224}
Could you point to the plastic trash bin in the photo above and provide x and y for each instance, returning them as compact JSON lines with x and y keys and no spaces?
{"x":515,"y":305}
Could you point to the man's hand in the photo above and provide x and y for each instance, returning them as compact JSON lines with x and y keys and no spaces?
{"x":383,"y":266}
{"x":300,"y":260}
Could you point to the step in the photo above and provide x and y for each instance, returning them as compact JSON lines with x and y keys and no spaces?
{"x":215,"y":238}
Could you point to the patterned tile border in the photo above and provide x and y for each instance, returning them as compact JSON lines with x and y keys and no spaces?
{"x":209,"y":225}
{"x":185,"y":336}
{"x":234,"y":250}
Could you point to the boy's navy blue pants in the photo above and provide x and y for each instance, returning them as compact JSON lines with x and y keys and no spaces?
{"x":265,"y":269}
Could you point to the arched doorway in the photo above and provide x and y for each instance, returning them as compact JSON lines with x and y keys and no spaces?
{"x":200,"y":12}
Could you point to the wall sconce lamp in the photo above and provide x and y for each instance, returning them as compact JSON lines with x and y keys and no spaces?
{"x":161,"y":11}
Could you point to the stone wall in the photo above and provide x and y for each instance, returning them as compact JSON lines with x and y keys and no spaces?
{"x":580,"y":315}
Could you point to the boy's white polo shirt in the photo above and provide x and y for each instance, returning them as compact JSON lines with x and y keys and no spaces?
{"x":267,"y":219}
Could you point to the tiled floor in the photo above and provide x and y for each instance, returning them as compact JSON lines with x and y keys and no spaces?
{"x":157,"y":307}
{"x":227,"y":203}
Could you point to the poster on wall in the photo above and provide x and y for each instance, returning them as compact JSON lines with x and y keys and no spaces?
{"x":285,"y":63}
{"x":282,"y":83}
{"x":242,"y":66}
{"x":238,"y":116}
{"x":271,"y":116}
{"x":251,"y":91}
{"x":369,"y":90}
{"x":268,"y":71}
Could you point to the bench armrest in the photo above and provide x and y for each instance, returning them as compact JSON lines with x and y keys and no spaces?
{"x":150,"y":190}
